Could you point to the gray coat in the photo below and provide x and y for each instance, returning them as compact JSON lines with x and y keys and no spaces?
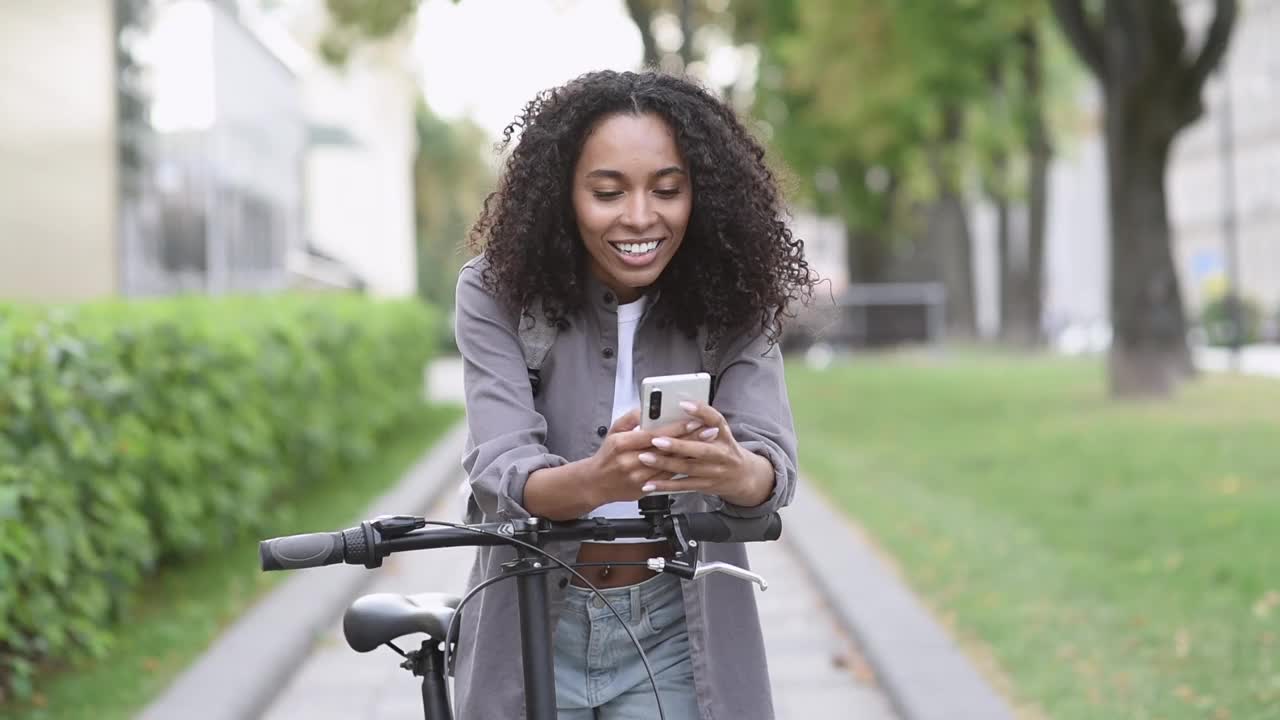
{"x":512,"y":434}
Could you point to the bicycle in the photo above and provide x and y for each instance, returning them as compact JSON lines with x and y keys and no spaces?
{"x":382,"y":618}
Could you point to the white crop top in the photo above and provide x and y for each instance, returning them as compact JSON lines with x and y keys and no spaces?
{"x":626,"y":397}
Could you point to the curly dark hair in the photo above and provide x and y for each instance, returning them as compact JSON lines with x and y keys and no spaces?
{"x":738,"y":264}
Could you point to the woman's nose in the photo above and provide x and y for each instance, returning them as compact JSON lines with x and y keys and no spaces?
{"x":639,"y":211}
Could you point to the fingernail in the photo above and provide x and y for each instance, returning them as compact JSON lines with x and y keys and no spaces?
{"x":661,"y":442}
{"x":688,"y":406}
{"x":647,"y":458}
{"x":649,"y":487}
{"x":693,"y":425}
{"x":709,"y":433}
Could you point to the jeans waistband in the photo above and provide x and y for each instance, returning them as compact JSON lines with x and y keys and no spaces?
{"x":656,"y":589}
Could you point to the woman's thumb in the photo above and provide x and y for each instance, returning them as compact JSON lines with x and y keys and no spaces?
{"x":627,"y":422}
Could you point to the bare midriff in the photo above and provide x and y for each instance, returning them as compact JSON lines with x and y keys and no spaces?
{"x":619,"y":575}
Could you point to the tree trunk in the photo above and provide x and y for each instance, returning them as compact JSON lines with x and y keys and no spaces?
{"x":1004,"y":250}
{"x":686,"y":32}
{"x":1149,"y":353}
{"x":642,"y":14}
{"x":1033,"y":280}
{"x":1040,"y":153}
{"x":868,"y":255}
{"x":1139,"y":53}
{"x":949,"y":236}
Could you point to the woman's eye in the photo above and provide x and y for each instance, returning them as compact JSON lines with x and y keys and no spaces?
{"x":667,"y":193}
{"x":607,"y":194}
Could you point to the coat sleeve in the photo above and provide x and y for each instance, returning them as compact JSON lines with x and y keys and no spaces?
{"x":506,"y":439}
{"x":752,"y":395}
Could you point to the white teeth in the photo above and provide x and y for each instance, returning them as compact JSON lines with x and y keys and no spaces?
{"x":637,"y":248}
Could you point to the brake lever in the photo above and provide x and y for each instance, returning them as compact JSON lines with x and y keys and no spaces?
{"x":706,"y":568}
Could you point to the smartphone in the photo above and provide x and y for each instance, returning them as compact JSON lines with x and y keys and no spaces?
{"x":660,"y":398}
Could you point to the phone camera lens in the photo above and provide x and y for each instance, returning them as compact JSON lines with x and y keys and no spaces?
{"x":655,"y":404}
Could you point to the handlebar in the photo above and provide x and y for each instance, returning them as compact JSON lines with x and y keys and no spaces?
{"x":718,"y":527}
{"x":371,"y":541}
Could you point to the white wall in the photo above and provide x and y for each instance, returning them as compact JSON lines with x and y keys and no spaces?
{"x":825,"y":248}
{"x":1077,"y":262}
{"x":58,"y":188}
{"x":359,"y":195}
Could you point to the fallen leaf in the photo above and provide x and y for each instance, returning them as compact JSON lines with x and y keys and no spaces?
{"x":1229,"y":485}
{"x":1265,"y":604}
{"x":862,"y":670}
{"x":1182,"y":643}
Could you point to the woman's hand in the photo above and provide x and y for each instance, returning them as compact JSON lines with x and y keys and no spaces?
{"x":714,"y":462}
{"x":616,"y":471}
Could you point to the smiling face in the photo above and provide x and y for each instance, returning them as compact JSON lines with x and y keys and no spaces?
{"x":631,"y":198}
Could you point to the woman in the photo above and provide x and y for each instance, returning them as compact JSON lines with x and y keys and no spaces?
{"x":637,"y":215}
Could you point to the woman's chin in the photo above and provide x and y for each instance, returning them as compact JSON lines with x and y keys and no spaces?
{"x":638,"y":279}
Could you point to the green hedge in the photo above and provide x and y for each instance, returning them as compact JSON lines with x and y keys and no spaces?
{"x":138,"y":434}
{"x":1217,"y":322}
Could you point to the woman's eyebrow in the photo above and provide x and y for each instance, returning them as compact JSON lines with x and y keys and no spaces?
{"x":616,"y":175}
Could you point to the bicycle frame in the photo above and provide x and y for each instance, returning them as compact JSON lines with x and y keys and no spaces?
{"x":372,"y":540}
{"x":535,"y":647}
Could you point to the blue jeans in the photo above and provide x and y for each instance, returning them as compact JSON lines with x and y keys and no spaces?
{"x":599,"y":675}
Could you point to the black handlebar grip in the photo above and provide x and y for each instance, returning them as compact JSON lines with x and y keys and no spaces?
{"x":302,"y":551}
{"x":716,"y":527}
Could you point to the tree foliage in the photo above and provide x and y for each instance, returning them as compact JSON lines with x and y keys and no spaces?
{"x":356,"y":22}
{"x":887,"y":111}
{"x":452,"y":176}
{"x":851,"y":85}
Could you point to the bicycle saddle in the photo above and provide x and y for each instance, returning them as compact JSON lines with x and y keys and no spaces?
{"x":376,"y":619}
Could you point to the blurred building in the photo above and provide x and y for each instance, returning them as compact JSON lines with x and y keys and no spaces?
{"x":359,"y":168}
{"x":224,"y":204}
{"x":151,"y":148}
{"x":60,"y":137}
{"x":163,"y":146}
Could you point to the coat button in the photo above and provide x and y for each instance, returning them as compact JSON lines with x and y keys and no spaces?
{"x":608,"y":298}
{"x":602,"y":431}
{"x":564,"y":582}
{"x":607,"y":352}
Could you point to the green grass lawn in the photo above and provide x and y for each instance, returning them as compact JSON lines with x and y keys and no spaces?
{"x":182,"y":610}
{"x":1119,"y":560}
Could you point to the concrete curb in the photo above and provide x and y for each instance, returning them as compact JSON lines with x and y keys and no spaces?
{"x":241,"y":673}
{"x":919,"y":665}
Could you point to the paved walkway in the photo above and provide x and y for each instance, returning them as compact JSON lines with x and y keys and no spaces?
{"x":816,"y":671}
